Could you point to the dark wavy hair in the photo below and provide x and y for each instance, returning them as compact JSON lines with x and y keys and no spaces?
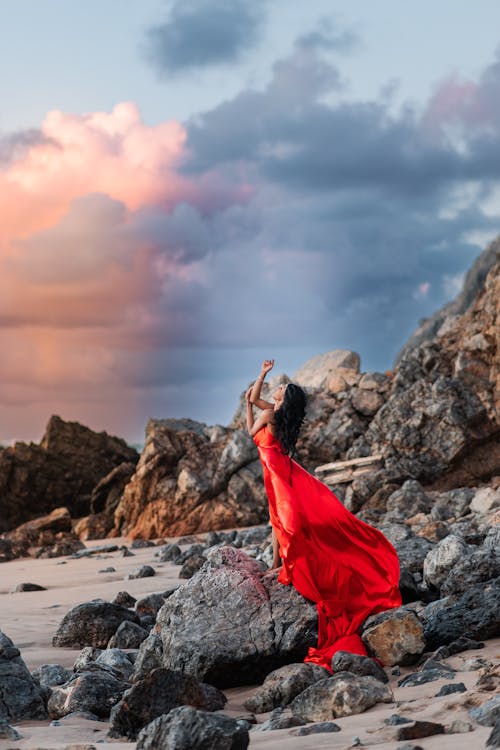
{"x":288,"y":419}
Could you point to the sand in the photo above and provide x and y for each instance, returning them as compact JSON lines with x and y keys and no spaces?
{"x":30,"y":619}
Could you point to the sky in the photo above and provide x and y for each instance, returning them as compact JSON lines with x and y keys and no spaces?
{"x":189,"y":187}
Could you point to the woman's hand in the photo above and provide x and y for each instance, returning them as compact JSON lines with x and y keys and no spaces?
{"x":247,"y":394}
{"x":267,"y":365}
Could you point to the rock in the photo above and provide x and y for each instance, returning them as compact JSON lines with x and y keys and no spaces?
{"x":365,"y":401}
{"x":322,"y":727}
{"x":230,"y":626}
{"x":412,"y":552}
{"x":488,"y":713}
{"x":278,"y":720}
{"x":395,"y":636}
{"x":475,"y":614}
{"x":128,"y":635}
{"x":144,"y":571}
{"x":124,"y":599}
{"x":343,"y":694}
{"x":185,"y":482}
{"x":394,"y":720}
{"x":420,"y":678}
{"x":20,"y":696}
{"x":104,"y":549}
{"x":485,"y":500}
{"x":186,"y":728}
{"x":316,"y":372}
{"x":29,"y":587}
{"x":7,"y":732}
{"x":418,"y":729}
{"x":471,"y":665}
{"x":282,"y":685}
{"x":141,"y":543}
{"x":104,"y":500}
{"x":51,"y":674}
{"x":67,"y":464}
{"x":458,"y":726}
{"x":344,"y":661}
{"x":489,"y":678}
{"x":192,"y":566}
{"x":157,"y":694}
{"x":442,"y":558}
{"x":494,"y":736}
{"x":93,"y":691}
{"x":150,"y":605}
{"x":109,"y":569}
{"x":148,"y":658}
{"x":169,"y":553}
{"x":85,"y":658}
{"x":481,"y":565}
{"x":451,"y":687}
{"x":91,"y":624}
{"x":117,"y":660}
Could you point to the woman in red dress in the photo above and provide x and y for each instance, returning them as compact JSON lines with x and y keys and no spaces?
{"x":329,"y":555}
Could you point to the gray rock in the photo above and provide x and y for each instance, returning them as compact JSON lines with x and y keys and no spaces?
{"x":118,"y":660}
{"x":87,"y":656}
{"x":476,"y":614}
{"x":420,"y":678}
{"x":124,"y":599}
{"x":94,"y":691}
{"x":169,"y":553}
{"x":344,"y":661}
{"x":7,"y":732}
{"x":150,"y":605}
{"x":494,"y":736}
{"x":278,"y":719}
{"x":282,"y":685}
{"x":343,"y":694}
{"x":322,"y":727}
{"x":91,"y":624}
{"x":395,"y":636}
{"x":228,"y":625}
{"x":29,"y":587}
{"x":128,"y":635}
{"x":186,"y":728}
{"x":481,"y":565}
{"x":450,"y":687}
{"x":192,"y":565}
{"x":20,"y":695}
{"x":488,"y":713}
{"x":157,"y":694}
{"x":149,"y":657}
{"x":143,"y":571}
{"x":443,"y":557}
{"x":418,"y":729}
{"x":51,"y":674}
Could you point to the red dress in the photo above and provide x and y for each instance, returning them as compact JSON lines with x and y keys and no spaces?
{"x":329,"y":555}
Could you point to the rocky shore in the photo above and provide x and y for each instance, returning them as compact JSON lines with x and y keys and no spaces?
{"x":118,"y":629}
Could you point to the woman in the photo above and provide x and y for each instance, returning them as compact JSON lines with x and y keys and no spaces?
{"x":329,"y":555}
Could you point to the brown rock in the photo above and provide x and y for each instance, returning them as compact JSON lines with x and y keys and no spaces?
{"x":394,"y":637}
{"x":186,"y":482}
{"x":62,"y":470}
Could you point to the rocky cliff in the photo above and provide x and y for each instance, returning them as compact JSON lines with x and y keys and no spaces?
{"x":60,"y":471}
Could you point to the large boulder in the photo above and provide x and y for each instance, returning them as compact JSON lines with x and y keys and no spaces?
{"x":157,"y":694}
{"x":92,"y":624}
{"x":185,"y":728}
{"x":95,"y":692}
{"x":20,"y":695}
{"x":192,"y":478}
{"x":229,"y":625}
{"x":60,"y":471}
{"x":343,"y":694}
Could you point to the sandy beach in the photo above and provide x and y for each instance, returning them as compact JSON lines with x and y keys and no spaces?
{"x":30,"y":619}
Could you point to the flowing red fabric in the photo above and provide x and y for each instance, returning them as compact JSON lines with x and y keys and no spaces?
{"x":329,"y":555}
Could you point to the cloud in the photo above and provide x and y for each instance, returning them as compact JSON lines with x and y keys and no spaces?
{"x":201,"y":33}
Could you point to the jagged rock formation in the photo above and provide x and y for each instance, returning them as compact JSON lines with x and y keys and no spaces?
{"x":472,"y":286}
{"x":193,"y":479}
{"x":61,"y":471}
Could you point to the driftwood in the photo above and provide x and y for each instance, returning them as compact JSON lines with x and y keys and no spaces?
{"x":340,"y":472}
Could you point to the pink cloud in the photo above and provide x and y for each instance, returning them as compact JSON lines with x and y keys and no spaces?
{"x":102,"y":241}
